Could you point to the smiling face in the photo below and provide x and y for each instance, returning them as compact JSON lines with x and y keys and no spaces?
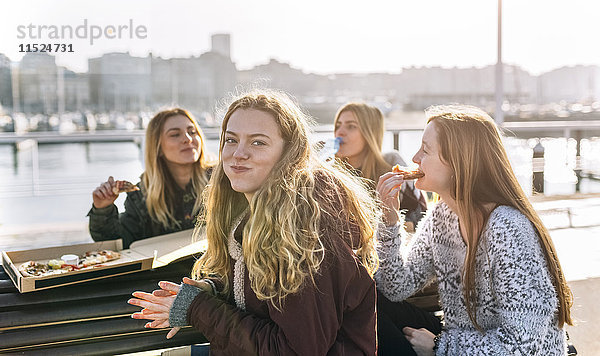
{"x":251,"y":148}
{"x":179,"y":141}
{"x":438,"y":174}
{"x":353,"y":143}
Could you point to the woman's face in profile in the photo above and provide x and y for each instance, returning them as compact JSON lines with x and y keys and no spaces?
{"x":353,"y":142}
{"x":179,"y":141}
{"x":252,"y":146}
{"x":437,"y":172}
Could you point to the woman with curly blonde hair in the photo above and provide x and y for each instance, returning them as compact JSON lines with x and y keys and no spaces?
{"x":291,"y":254}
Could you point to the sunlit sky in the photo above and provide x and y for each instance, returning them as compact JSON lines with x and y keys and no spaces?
{"x":323,"y":36}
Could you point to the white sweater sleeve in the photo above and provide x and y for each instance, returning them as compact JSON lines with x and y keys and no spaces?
{"x":403,"y":270}
{"x":523,"y":295}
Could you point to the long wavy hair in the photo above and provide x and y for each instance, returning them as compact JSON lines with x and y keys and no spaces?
{"x":371,"y":126}
{"x":470,"y":143}
{"x":158,"y":184}
{"x":283,"y":240}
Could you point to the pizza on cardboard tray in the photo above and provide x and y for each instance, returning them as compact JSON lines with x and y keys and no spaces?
{"x":88,"y":260}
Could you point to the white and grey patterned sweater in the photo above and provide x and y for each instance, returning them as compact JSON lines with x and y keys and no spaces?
{"x":516,"y":301}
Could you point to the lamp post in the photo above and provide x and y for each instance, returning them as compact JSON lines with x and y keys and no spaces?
{"x":499,"y":114}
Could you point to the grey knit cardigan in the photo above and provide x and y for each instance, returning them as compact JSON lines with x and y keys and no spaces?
{"x":516,"y":303}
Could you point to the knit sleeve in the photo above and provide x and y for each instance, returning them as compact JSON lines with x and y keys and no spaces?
{"x":523,"y":293}
{"x":403,"y":270}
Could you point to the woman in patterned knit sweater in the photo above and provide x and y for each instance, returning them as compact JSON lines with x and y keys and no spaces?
{"x":290,"y":246}
{"x":501,"y":285}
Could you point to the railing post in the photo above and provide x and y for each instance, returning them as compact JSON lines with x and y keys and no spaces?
{"x":142,"y":147}
{"x":578,"y":168}
{"x":35,"y":167}
{"x":538,"y":168}
{"x":35,"y":162}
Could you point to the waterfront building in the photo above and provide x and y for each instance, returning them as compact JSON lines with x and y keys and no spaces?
{"x":221,"y":44}
{"x":278,"y":75}
{"x":120,"y":82}
{"x":576,"y":84}
{"x":38,"y":83}
{"x":195,"y":83}
{"x":76,"y":91}
{"x":475,"y":86}
{"x":6,"y":97}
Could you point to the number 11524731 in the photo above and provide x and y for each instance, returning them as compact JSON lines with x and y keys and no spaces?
{"x":45,"y":47}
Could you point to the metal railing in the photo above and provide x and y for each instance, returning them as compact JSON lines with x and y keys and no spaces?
{"x":39,"y":186}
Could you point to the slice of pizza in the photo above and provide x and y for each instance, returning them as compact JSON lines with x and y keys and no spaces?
{"x":38,"y":269}
{"x":92,"y":258}
{"x":33,"y":269}
{"x":123,"y":186}
{"x":407,"y":173}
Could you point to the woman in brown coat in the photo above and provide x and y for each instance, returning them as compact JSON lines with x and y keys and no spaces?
{"x":290,"y":257}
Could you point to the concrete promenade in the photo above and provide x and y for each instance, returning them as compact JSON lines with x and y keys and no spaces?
{"x":573,"y":221}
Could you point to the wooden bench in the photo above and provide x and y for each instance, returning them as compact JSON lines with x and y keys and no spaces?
{"x":427,"y":298}
{"x":91,"y":318}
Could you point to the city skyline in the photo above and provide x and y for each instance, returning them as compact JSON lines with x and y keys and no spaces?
{"x":326,"y":37}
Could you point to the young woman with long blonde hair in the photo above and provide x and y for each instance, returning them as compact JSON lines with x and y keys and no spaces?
{"x":501,"y":285}
{"x":290,"y":245}
{"x":361,"y":128}
{"x":168,"y":200}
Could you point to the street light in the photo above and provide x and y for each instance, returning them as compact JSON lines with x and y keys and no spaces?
{"x":499,"y":114}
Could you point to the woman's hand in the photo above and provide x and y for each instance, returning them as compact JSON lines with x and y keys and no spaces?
{"x":103,"y":195}
{"x":158,"y":304}
{"x":421,"y":340}
{"x":388,"y":189}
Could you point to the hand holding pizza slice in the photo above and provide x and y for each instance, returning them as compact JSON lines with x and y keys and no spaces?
{"x":407,"y":173}
{"x":107,"y":192}
{"x":123,"y":186}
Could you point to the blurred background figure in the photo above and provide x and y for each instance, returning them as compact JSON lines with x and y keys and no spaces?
{"x":361,"y":128}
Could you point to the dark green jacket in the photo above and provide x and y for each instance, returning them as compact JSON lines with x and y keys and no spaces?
{"x":132,"y":225}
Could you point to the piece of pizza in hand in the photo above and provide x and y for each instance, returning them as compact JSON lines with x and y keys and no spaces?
{"x":123,"y":186}
{"x":408,"y":174}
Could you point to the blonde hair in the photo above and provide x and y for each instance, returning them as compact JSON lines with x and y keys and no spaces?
{"x":282,"y":243}
{"x":158,"y":184}
{"x":471,"y":145}
{"x":371,"y":126}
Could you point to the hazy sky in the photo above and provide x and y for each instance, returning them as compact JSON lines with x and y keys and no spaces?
{"x":326,"y":36}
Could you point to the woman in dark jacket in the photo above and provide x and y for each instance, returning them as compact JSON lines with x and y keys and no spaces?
{"x":168,"y":196}
{"x":290,"y":246}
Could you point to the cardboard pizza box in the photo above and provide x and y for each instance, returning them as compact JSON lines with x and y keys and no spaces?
{"x":142,"y":255}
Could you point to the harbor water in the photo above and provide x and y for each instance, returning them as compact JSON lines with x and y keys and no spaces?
{"x":57,"y":190}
